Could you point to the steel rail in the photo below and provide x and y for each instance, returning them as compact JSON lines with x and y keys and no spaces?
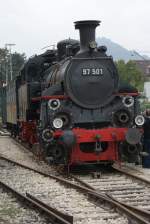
{"x":131,"y":174}
{"x":4,"y":134}
{"x":141,"y":212}
{"x":55,"y":215}
{"x":93,"y":193}
{"x":82,"y":182}
{"x":134,"y":169}
{"x":68,"y":218}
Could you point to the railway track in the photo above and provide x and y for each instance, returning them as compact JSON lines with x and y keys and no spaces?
{"x":16,"y":210}
{"x":129,"y":188}
{"x":52,"y":215}
{"x":100,"y":195}
{"x":52,"y":191}
{"x":4,"y":132}
{"x":98,"y":212}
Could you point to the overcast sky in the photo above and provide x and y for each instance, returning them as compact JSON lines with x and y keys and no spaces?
{"x":33,"y":24}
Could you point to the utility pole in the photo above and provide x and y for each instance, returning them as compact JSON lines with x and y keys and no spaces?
{"x":1,"y":74}
{"x":10,"y":62}
{"x":6,"y":70}
{"x":1,"y":71}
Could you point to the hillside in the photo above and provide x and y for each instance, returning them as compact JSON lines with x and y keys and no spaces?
{"x":117,"y":51}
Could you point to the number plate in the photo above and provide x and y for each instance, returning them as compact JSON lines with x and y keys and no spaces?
{"x":92,"y":71}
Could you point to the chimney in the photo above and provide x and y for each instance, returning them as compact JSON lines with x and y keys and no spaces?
{"x":87,"y":33}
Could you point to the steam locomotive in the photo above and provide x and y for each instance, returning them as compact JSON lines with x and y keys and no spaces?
{"x":71,"y":104}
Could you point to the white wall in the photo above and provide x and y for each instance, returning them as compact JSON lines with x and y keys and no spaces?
{"x":147,"y":90}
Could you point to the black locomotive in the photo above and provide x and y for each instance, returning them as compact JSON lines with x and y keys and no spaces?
{"x":71,"y":102}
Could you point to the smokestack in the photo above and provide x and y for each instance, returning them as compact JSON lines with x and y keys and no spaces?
{"x":87,"y":33}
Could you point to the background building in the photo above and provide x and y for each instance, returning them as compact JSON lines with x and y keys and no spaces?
{"x":147,"y":90}
{"x":144,"y":67}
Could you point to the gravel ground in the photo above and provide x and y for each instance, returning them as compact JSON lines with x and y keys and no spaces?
{"x":13,"y":150}
{"x":67,"y":200}
{"x":144,"y":172}
{"x":121,"y":187}
{"x":53,"y":193}
{"x":13,"y":212}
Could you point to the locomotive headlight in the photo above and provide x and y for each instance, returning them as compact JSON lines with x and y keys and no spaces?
{"x":54,"y":104}
{"x":62,"y":119}
{"x":128,"y":101}
{"x":58,"y":123}
{"x":139,"y":120}
{"x":47,"y":135}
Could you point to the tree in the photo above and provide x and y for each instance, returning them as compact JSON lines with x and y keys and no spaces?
{"x":17,"y":62}
{"x":3,"y":59}
{"x":129,"y":73}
